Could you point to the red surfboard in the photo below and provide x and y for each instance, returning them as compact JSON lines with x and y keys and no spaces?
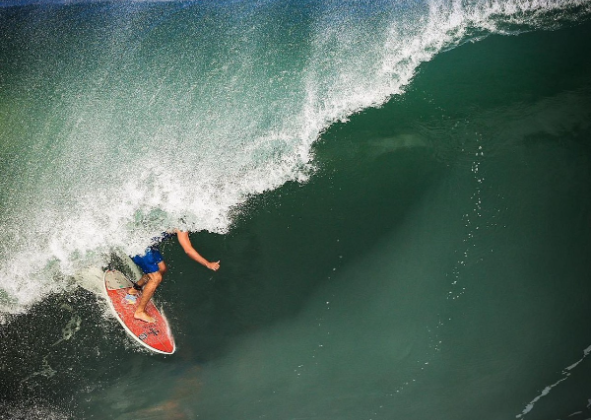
{"x":155,"y":336}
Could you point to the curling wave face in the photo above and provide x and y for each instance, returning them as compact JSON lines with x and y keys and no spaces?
{"x":121,"y":121}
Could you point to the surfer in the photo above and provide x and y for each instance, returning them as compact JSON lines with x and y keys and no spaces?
{"x":154,"y":267}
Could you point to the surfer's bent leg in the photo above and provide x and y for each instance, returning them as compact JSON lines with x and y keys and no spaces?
{"x":154,"y":268}
{"x":150,"y":262}
{"x":154,"y":280}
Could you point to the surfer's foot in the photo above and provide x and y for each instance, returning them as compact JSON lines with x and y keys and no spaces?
{"x":132,"y":291}
{"x":142,"y":316}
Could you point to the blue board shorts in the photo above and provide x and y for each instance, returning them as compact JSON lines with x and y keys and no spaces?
{"x":149,"y":261}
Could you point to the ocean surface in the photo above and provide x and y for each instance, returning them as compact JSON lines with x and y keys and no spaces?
{"x":399,"y":192}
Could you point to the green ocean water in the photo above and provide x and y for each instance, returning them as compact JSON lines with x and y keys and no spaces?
{"x":426,"y":258}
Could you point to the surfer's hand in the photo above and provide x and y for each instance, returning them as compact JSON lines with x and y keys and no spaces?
{"x":214,"y":266}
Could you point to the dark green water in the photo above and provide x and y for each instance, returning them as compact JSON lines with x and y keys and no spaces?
{"x":435,"y":264}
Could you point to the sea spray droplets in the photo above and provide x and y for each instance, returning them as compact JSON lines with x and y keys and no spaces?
{"x":472,"y":224}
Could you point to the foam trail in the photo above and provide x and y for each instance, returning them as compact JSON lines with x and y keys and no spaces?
{"x":566,"y":373}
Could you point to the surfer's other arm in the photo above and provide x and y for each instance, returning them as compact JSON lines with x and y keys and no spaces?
{"x":185,"y":242}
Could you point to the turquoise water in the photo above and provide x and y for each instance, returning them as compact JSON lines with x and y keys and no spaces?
{"x":398,"y":193}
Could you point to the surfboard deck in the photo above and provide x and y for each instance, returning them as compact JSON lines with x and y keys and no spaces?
{"x":155,"y":336}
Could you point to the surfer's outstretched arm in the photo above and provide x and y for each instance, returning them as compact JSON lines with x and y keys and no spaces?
{"x":192,"y":253}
